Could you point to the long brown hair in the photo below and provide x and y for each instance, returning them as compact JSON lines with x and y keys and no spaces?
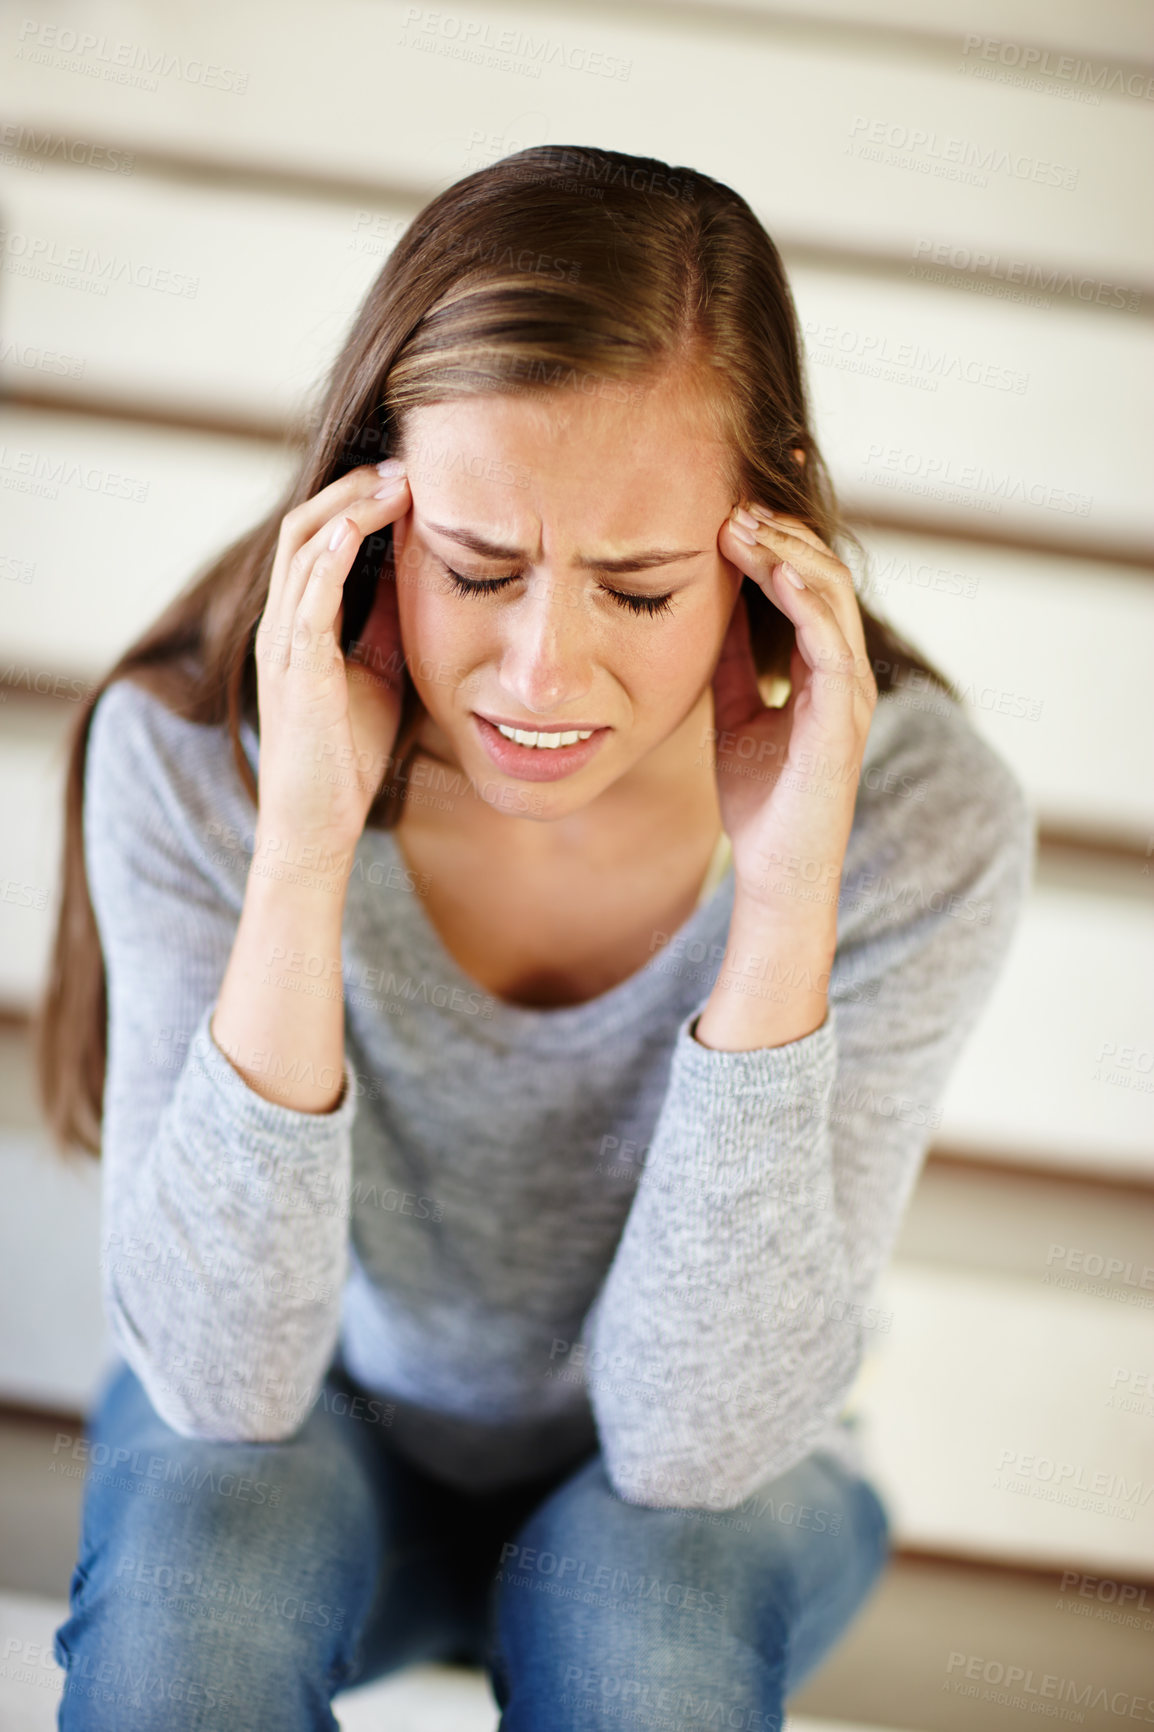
{"x":559,"y":267}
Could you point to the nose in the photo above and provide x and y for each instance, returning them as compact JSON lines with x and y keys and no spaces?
{"x":547,"y":664}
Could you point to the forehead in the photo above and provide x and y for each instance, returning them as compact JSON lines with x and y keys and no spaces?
{"x":617,"y":460}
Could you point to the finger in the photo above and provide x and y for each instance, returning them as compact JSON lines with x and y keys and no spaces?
{"x":305,"y":519}
{"x":791,"y":542}
{"x":736,"y":694}
{"x":840,"y":682}
{"x":296,"y":622}
{"x":323,"y":594}
{"x":364,"y":515}
{"x":303,"y":524}
{"x":823,"y":643}
{"x":820,"y":571}
{"x":783,"y":520}
{"x":825,"y":660}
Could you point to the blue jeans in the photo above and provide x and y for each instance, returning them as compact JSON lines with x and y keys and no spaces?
{"x":236,"y":1587}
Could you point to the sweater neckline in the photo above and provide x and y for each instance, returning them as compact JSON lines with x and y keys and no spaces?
{"x":560,"y":1025}
{"x":617,"y":1007}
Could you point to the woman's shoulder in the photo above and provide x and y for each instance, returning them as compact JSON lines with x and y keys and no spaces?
{"x":925,"y":750}
{"x":937,"y":801}
{"x":137,"y":722}
{"x":937,"y":805}
{"x":150,"y":768}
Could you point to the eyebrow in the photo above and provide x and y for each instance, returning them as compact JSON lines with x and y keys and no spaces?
{"x":633,"y":562}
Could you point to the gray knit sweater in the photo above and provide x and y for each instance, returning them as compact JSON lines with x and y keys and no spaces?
{"x":529,"y":1233}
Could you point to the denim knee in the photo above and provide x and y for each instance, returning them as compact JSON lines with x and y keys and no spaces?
{"x":217,"y":1584}
{"x":603,"y":1610}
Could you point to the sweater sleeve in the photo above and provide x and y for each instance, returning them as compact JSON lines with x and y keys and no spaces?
{"x":224,"y":1215}
{"x":733,"y":1319}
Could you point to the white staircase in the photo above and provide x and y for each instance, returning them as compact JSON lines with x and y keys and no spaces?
{"x":974,"y":398}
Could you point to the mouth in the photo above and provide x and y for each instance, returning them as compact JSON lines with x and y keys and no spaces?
{"x":538,"y":754}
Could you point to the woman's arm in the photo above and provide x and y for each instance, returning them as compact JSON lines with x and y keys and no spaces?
{"x":289,"y":936}
{"x":733,"y":1319}
{"x":228,"y":1103}
{"x":225,"y":1205}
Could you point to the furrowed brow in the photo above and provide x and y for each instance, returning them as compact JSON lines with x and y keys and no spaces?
{"x":653,"y":556}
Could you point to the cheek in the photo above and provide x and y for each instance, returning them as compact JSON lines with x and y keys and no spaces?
{"x":689,"y":650}
{"x":441,"y":640}
{"x":665,"y":672}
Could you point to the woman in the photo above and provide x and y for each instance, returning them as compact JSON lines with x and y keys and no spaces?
{"x":523,"y":1028}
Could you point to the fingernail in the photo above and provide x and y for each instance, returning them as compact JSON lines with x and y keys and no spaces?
{"x":742,"y":533}
{"x":338,"y":534}
{"x":746,"y":517}
{"x":792,"y":576}
{"x":390,"y":467}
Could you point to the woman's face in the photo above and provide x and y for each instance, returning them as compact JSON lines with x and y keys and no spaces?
{"x":577,"y":500}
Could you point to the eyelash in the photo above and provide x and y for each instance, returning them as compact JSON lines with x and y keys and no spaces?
{"x":651,"y":605}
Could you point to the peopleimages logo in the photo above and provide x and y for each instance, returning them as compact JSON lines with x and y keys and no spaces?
{"x":988,"y":489}
{"x":1040,"y":63}
{"x":508,"y":50}
{"x":928,"y":152}
{"x":1021,"y":1687}
{"x":119,"y":62}
{"x":908,"y":362}
{"x":1023,"y":274}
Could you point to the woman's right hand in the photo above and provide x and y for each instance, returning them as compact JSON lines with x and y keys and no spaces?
{"x":327,"y":723}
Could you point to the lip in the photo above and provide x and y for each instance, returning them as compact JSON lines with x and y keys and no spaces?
{"x":534,"y":763}
{"x":536,"y":728}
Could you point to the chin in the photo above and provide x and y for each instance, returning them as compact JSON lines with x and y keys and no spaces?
{"x":543,"y":802}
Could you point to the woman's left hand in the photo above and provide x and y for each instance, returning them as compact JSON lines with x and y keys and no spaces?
{"x":788,"y":778}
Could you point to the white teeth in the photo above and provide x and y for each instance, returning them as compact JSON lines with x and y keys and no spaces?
{"x":549,"y":741}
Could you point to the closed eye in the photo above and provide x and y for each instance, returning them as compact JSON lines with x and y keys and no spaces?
{"x":650,"y":604}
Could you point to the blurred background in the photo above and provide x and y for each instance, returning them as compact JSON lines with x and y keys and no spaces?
{"x":193,"y":199}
